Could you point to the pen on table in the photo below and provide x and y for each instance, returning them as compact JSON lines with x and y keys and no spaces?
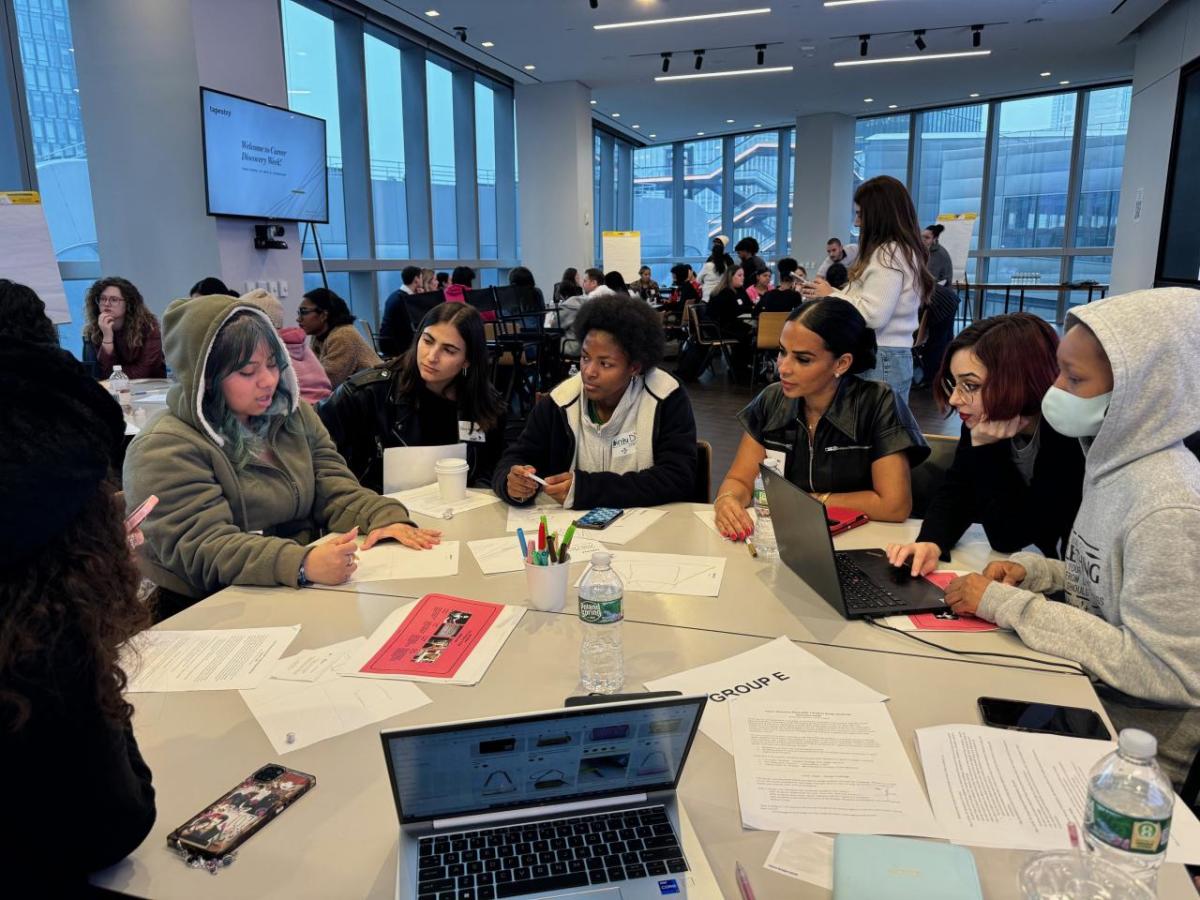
{"x":750,"y":546}
{"x":524,"y":544}
{"x":743,"y":883}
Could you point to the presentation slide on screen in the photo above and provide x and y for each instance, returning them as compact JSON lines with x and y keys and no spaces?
{"x":262,"y":161}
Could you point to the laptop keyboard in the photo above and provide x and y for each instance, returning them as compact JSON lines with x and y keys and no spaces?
{"x":860,"y":591}
{"x":552,"y":855}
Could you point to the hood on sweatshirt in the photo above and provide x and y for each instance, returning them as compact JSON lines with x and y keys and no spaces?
{"x":190,"y":328}
{"x":296,"y":340}
{"x":1150,"y":339}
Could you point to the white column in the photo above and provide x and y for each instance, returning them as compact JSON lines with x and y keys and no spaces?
{"x":823,"y":172}
{"x":554,"y":150}
{"x":141,"y":64}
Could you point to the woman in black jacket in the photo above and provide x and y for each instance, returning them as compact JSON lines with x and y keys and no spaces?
{"x":620,"y":433}
{"x":68,"y":602}
{"x":437,"y":393}
{"x":1012,"y":472}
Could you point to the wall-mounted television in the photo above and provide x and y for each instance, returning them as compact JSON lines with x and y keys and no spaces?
{"x":1179,"y":239}
{"x":261,"y":161}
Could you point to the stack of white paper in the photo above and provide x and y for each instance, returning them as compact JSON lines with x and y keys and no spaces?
{"x":668,"y":573}
{"x":1018,"y":790}
{"x":427,"y":501}
{"x":804,"y":856}
{"x":217,"y":660}
{"x":833,"y":767}
{"x":778,"y":668}
{"x":390,"y":561}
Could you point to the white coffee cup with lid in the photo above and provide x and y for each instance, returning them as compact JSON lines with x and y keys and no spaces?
{"x":452,"y":478}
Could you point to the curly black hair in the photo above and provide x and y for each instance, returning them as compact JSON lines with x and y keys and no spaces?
{"x":635,"y":327}
{"x":23,"y":315}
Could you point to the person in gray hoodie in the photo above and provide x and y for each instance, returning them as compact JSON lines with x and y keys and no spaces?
{"x":1128,"y":388}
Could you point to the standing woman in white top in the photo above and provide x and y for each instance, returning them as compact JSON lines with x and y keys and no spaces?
{"x":890,"y":280}
{"x":714,"y":267}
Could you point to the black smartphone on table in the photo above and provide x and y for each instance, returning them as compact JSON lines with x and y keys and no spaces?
{"x":227,"y":823}
{"x":599,"y":518}
{"x":1044,"y":718}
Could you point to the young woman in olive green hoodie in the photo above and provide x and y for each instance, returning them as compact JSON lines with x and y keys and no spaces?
{"x":245,"y":473}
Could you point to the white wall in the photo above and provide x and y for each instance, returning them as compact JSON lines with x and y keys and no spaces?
{"x":1169,"y":40}
{"x":140,"y":65}
{"x":823,"y":202}
{"x":554,"y":146}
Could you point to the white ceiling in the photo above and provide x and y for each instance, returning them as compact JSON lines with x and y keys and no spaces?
{"x":1081,"y":41}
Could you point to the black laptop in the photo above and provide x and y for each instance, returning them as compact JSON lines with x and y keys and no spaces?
{"x":857,"y":583}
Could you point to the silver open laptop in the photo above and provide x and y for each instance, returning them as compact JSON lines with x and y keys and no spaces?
{"x":562,"y":803}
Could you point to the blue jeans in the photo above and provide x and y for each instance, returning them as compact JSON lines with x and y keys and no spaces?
{"x":893,"y":365}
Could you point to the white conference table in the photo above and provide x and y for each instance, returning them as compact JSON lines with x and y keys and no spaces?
{"x":757,"y":597}
{"x":340,"y":840}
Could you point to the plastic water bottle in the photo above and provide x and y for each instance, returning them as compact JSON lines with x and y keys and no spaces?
{"x":118,"y":386}
{"x":601,"y":656}
{"x":764,"y":529}
{"x":1128,"y":815}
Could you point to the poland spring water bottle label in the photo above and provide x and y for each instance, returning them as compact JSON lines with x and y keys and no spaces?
{"x":1130,"y":833}
{"x":600,"y":612}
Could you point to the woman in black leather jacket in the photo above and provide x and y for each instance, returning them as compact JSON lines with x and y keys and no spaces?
{"x":846,"y":441}
{"x":436,"y":393}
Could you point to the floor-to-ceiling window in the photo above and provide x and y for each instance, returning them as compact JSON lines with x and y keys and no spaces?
{"x":756,"y":190}
{"x":703,"y":177}
{"x":654,"y":207}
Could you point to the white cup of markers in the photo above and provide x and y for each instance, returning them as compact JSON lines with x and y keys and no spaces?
{"x":546,"y":567}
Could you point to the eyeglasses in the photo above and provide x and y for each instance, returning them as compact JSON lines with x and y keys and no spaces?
{"x":305,"y":310}
{"x":110,"y":301}
{"x":967,"y":390}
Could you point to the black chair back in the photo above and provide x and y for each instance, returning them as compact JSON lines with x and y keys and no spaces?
{"x":484,"y":300}
{"x":419,"y":304}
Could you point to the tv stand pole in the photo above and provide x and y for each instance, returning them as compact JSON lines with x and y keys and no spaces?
{"x":312,"y":229}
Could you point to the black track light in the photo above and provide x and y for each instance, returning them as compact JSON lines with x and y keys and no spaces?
{"x":762,"y":53}
{"x":920,"y":39}
{"x":976,"y":35}
{"x":862,"y":44}
{"x":699,"y":59}
{"x":594,"y":3}
{"x":666,"y":62}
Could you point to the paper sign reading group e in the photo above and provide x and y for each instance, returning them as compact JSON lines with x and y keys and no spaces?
{"x":746,"y":687}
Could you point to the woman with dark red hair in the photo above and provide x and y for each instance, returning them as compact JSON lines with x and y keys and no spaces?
{"x":1012,"y":472}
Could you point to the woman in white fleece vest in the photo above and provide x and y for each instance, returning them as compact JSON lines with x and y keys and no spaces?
{"x":1128,"y":388}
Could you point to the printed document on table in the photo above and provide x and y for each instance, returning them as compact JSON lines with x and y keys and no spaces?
{"x":440,"y":637}
{"x":777,"y":668}
{"x":311,"y":665}
{"x":503,"y":554}
{"x":804,"y":856}
{"x":991,"y":787}
{"x":825,"y":767}
{"x":332,"y":705}
{"x":706,"y":516}
{"x":390,"y":561}
{"x":623,"y":530}
{"x":217,"y":660}
{"x":668,"y":573}
{"x":428,"y":501}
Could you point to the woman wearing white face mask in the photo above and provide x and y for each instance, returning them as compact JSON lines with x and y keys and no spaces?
{"x":1130,"y":376}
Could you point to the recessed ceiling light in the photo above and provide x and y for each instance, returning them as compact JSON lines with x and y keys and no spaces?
{"x":918,"y":57}
{"x":868,"y":99}
{"x":847,"y":2}
{"x":635,"y":127}
{"x":891,"y":106}
{"x":974,"y":95}
{"x":530,"y":68}
{"x":699,"y":134}
{"x":593,"y":102}
{"x":729,"y":121}
{"x":487,"y":44}
{"x":432,"y":13}
{"x":616,"y":115}
{"x":758,"y":124}
{"x":697,"y":18}
{"x":1045,"y":74}
{"x":760,"y":70}
{"x":1064,"y":82}
{"x":654,"y":135}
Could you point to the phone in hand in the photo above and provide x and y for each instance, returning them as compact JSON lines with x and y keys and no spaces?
{"x":135,"y":518}
{"x":1044,"y":718}
{"x":227,"y":823}
{"x":599,"y":518}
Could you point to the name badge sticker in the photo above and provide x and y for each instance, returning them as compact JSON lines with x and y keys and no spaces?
{"x":470,"y":432}
{"x":779,"y":456}
{"x":624,"y":445}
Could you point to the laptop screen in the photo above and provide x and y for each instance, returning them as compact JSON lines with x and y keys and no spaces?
{"x":489,"y":765}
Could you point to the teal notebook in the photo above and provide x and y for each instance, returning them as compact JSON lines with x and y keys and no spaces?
{"x":871,"y":867}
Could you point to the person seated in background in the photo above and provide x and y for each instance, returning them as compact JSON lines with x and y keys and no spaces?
{"x":837,"y":276}
{"x":1129,"y":375}
{"x":726,"y":306}
{"x":206,"y":287}
{"x":23,"y":316}
{"x":747,"y":251}
{"x":338,"y":344}
{"x":428,"y":282}
{"x":783,"y":298}
{"x":787,"y":266}
{"x":245,"y":473}
{"x":437,"y":393}
{"x":120,"y":331}
{"x":620,"y":433}
{"x":683,"y":289}
{"x":615,"y":282}
{"x":441,"y":279}
{"x":847,"y":441}
{"x":940,"y":266}
{"x":395,"y":329}
{"x":461,"y":281}
{"x":646,"y":287}
{"x":68,"y":603}
{"x":1012,"y":472}
{"x":837,"y":254}
{"x":310,"y":374}
{"x":757,"y":284}
{"x":522,"y":278}
{"x":564,"y":316}
{"x":568,"y":286}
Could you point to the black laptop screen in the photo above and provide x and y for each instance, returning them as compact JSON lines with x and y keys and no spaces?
{"x":527,"y":761}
